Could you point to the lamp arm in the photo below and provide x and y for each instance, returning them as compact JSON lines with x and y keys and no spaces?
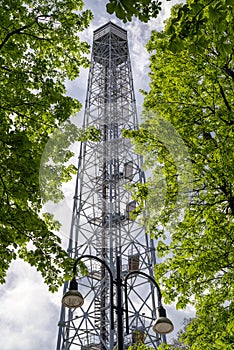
{"x":111,"y":280}
{"x":150,"y":278}
{"x":159,"y":294}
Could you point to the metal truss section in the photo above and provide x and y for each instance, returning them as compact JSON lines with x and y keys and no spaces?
{"x":103,"y":222}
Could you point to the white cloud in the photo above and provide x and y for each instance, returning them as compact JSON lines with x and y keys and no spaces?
{"x":28,"y":313}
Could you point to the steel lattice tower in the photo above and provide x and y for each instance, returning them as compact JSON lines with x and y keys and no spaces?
{"x":102,"y":224}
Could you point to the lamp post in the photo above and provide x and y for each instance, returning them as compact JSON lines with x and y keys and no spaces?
{"x":73,"y":299}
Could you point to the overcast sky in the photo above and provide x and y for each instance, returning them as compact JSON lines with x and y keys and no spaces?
{"x":29,"y":313}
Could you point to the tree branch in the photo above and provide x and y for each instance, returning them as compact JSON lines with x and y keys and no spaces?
{"x":224,"y":98}
{"x":35,"y":36}
{"x":5,"y":190}
{"x":16,"y":31}
{"x":19,"y":30}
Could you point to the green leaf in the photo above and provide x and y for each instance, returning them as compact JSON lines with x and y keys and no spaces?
{"x":111,"y":7}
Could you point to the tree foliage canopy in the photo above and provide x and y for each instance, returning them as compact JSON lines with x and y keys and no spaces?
{"x":142,"y":9}
{"x":192,"y":84}
{"x":39,"y":49}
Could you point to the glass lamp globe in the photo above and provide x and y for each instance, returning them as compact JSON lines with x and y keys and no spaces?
{"x":163,"y":324}
{"x":73,"y":298}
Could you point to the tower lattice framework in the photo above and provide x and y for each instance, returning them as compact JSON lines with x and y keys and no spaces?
{"x":102,"y":222}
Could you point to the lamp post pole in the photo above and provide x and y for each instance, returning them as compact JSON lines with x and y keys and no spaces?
{"x":119,"y":305}
{"x":73,"y":299}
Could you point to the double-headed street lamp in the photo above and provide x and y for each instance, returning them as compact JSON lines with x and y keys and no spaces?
{"x":73,"y":299}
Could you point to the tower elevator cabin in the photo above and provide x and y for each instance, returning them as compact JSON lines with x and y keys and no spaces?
{"x":102,"y":222}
